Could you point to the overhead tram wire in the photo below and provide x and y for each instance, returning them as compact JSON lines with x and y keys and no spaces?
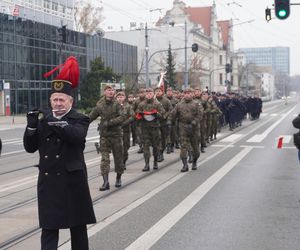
{"x":123,"y":12}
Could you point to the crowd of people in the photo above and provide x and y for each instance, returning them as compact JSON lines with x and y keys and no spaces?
{"x":188,"y":120}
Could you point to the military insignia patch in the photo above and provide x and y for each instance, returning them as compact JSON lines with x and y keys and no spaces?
{"x":58,"y":86}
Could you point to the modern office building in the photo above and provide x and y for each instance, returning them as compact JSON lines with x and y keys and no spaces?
{"x":28,"y":49}
{"x":53,"y":12}
{"x":276,"y":57}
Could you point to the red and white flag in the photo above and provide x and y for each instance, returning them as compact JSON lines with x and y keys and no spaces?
{"x":161,"y":83}
{"x":16,"y":11}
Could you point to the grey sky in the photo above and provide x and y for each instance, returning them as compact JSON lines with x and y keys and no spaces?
{"x":258,"y":33}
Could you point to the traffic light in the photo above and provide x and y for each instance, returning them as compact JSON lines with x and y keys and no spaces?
{"x":62,"y":32}
{"x":268,"y":14}
{"x":228,"y":68}
{"x":282,"y":9}
{"x":194,"y":47}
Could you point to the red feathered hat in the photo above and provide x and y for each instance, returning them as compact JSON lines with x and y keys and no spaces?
{"x":68,"y":77}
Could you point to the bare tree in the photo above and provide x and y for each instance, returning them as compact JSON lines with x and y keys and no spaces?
{"x":87,"y":17}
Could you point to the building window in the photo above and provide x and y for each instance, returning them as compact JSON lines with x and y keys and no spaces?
{"x":221,"y":78}
{"x":220,"y":59}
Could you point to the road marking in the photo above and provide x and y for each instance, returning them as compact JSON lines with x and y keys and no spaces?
{"x":274,"y":115}
{"x":231,"y":138}
{"x":150,"y":237}
{"x":260,"y":137}
{"x":221,"y":146}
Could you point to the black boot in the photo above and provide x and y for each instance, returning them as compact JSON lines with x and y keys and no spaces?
{"x":177,"y":145}
{"x":190,"y":157}
{"x":147,"y":167}
{"x":155,"y":163}
{"x":194,"y":165}
{"x":202,"y":149}
{"x":97,"y":147}
{"x":185,"y":166}
{"x":118,"y":181}
{"x":168,"y":149}
{"x":141,"y":150}
{"x":105,"y":185}
{"x":172,"y":147}
{"x":160,"y":157}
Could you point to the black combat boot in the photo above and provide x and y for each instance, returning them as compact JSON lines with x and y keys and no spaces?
{"x":141,"y":150}
{"x":97,"y":147}
{"x":185,"y":166}
{"x":172,"y":147}
{"x":118,"y":181}
{"x":194,"y":165}
{"x":177,"y":145}
{"x":169,"y":149}
{"x":160,"y":156}
{"x":105,"y":185}
{"x":147,"y":167}
{"x":155,"y":163}
{"x":202,"y":148}
{"x":190,"y":157}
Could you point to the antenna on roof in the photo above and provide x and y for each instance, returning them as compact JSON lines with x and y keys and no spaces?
{"x":159,"y":9}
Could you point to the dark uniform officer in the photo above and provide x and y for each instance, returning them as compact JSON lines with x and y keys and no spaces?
{"x":64,"y":199}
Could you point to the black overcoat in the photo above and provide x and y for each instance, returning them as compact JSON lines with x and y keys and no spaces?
{"x":64,"y":198}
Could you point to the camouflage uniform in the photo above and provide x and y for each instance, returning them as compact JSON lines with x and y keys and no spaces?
{"x":163,"y":124}
{"x":187,"y":113}
{"x":150,"y":128}
{"x":133,"y":123}
{"x":173,"y":135}
{"x":111,"y":135}
{"x":215,"y":112}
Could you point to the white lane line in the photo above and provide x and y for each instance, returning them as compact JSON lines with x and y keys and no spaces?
{"x":231,"y":138}
{"x":13,"y":152}
{"x":274,"y":115}
{"x":150,"y":237}
{"x":260,"y":137}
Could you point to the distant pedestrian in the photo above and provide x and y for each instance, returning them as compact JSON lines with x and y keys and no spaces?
{"x":296,"y":124}
{"x":0,"y":146}
{"x":64,"y":199}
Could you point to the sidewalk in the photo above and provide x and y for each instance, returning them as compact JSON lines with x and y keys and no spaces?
{"x":12,"y":120}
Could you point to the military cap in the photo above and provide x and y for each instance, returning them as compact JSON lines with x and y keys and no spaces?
{"x":186,"y":90}
{"x":107,"y":86}
{"x":149,"y":90}
{"x":142,"y":90}
{"x":120,"y":93}
{"x":130,"y":95}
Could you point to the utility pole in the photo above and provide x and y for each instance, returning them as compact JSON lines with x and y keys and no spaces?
{"x":146,"y":56}
{"x":186,"y":77}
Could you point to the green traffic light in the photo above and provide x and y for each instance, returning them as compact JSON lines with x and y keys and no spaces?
{"x":282,"y":13}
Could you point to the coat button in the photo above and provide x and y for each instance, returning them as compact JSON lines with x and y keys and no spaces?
{"x":58,"y":140}
{"x":48,"y":139}
{"x":57,"y":173}
{"x":57,"y":156}
{"x":46,"y":156}
{"x":46,"y":173}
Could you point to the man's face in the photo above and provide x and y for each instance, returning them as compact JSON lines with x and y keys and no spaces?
{"x":109,"y":93}
{"x":197,"y":92}
{"x":169,"y":93}
{"x":121,"y":99}
{"x":142,"y":94}
{"x":158,"y":92}
{"x":130,"y":98}
{"x":188,"y":95}
{"x":149,"y":95}
{"x":60,"y":103}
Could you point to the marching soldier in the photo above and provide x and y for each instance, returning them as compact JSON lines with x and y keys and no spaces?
{"x":148,"y":113}
{"x":130,"y":101}
{"x":141,"y":97}
{"x":164,"y":131}
{"x":129,"y":114}
{"x":111,"y":135}
{"x":187,"y":113}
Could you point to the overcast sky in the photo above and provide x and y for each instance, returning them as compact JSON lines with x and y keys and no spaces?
{"x":258,"y":33}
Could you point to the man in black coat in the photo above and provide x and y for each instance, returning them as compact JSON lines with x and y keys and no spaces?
{"x":64,"y":199}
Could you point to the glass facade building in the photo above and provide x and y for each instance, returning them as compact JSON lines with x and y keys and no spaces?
{"x":276,"y":57}
{"x":28,"y":49}
{"x":53,"y":12}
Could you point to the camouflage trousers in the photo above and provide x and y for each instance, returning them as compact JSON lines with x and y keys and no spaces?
{"x":151,"y":137}
{"x":126,"y":145}
{"x":203,"y":129}
{"x":139,"y":135}
{"x":214,"y":125}
{"x":189,"y":141}
{"x":112,"y":144}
